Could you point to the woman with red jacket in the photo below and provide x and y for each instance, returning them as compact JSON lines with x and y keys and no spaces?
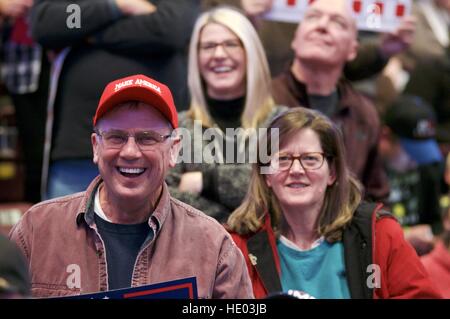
{"x":302,"y":227}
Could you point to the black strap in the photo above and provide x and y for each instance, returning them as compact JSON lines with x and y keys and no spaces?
{"x":262,"y":257}
{"x":357,"y":239}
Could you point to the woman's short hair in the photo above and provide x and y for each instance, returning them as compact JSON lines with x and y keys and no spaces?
{"x":341,"y":198}
{"x":259,"y":100}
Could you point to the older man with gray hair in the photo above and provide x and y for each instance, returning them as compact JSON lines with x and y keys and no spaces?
{"x":324,"y":42}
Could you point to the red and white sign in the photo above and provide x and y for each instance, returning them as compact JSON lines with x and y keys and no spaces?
{"x":371,"y":15}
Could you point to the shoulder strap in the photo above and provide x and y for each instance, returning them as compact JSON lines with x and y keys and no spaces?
{"x":357,"y":239}
{"x":264,"y":261}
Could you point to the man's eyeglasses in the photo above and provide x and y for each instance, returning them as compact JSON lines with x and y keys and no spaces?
{"x":309,"y":161}
{"x":230,"y":46}
{"x":146,"y":140}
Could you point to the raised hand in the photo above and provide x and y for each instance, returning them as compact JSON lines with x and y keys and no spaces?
{"x":399,"y":40}
{"x":135,"y":7}
{"x":14,"y":8}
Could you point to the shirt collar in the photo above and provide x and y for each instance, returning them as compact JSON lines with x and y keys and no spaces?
{"x":86,"y":211}
{"x":298,"y":88}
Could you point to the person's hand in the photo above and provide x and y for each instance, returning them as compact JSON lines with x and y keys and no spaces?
{"x":15,"y":8}
{"x":421,"y":238}
{"x":399,"y":40}
{"x":191,"y":182}
{"x":135,"y":7}
{"x":254,"y":8}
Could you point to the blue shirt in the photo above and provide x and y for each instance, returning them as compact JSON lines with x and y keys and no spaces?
{"x":320,"y":271}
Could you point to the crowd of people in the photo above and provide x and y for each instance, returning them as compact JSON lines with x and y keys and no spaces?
{"x":186,"y":138}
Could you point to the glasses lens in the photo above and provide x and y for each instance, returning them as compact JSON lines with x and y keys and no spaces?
{"x":312,"y":160}
{"x":114,"y":139}
{"x":145,"y":139}
{"x":230,"y":46}
{"x":280,"y":162}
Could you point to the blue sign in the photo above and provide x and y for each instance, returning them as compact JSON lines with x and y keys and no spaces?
{"x":185,"y":288}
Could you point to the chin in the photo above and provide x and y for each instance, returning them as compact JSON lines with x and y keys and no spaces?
{"x":131,"y":194}
{"x":295,"y":201}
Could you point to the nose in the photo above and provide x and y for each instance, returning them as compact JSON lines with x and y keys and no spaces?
{"x":323,"y":21}
{"x":219,"y":51}
{"x":130,"y":150}
{"x":296,"y":167}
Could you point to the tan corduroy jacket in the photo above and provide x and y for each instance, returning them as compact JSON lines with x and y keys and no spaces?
{"x":60,"y":240}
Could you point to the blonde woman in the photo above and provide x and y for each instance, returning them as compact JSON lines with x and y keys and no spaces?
{"x":229,"y":83}
{"x":303,"y":227}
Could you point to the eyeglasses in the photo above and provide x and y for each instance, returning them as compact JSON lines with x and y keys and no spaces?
{"x":309,"y":161}
{"x":230,"y":46}
{"x":116,"y":139}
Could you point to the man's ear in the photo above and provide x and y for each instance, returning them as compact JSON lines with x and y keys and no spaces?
{"x":174,"y":151}
{"x":95,"y":147}
{"x":353,"y":50}
{"x":295,"y":42}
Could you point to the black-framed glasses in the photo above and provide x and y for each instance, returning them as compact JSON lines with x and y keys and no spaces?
{"x":230,"y":46}
{"x":146,"y":140}
{"x":309,"y":161}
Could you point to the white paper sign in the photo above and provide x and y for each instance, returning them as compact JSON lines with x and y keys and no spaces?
{"x":371,"y":15}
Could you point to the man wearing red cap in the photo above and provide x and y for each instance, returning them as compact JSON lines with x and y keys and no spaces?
{"x":126,"y":230}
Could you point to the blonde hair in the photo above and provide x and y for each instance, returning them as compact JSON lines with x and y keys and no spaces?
{"x":259,"y":100}
{"x":341,"y":199}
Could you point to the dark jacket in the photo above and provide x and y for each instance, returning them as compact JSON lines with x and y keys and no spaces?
{"x":360,"y":125}
{"x":371,"y":238}
{"x":108,"y":46}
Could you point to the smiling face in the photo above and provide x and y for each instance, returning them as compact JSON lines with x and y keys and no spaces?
{"x":297,"y":189}
{"x":129,"y":173}
{"x":222,"y":62}
{"x":327,"y":34}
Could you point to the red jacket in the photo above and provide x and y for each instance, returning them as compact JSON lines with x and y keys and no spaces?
{"x":437,"y":263}
{"x":402,"y":274}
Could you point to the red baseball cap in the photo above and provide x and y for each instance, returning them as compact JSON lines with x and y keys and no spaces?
{"x":138,"y":88}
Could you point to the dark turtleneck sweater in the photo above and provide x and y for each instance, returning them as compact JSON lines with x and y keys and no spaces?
{"x":226,"y":113}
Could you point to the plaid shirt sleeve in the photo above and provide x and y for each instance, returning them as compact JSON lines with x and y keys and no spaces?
{"x":21,"y":66}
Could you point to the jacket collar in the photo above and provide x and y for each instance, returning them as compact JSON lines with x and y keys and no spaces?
{"x":261,"y":255}
{"x":298,"y":89}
